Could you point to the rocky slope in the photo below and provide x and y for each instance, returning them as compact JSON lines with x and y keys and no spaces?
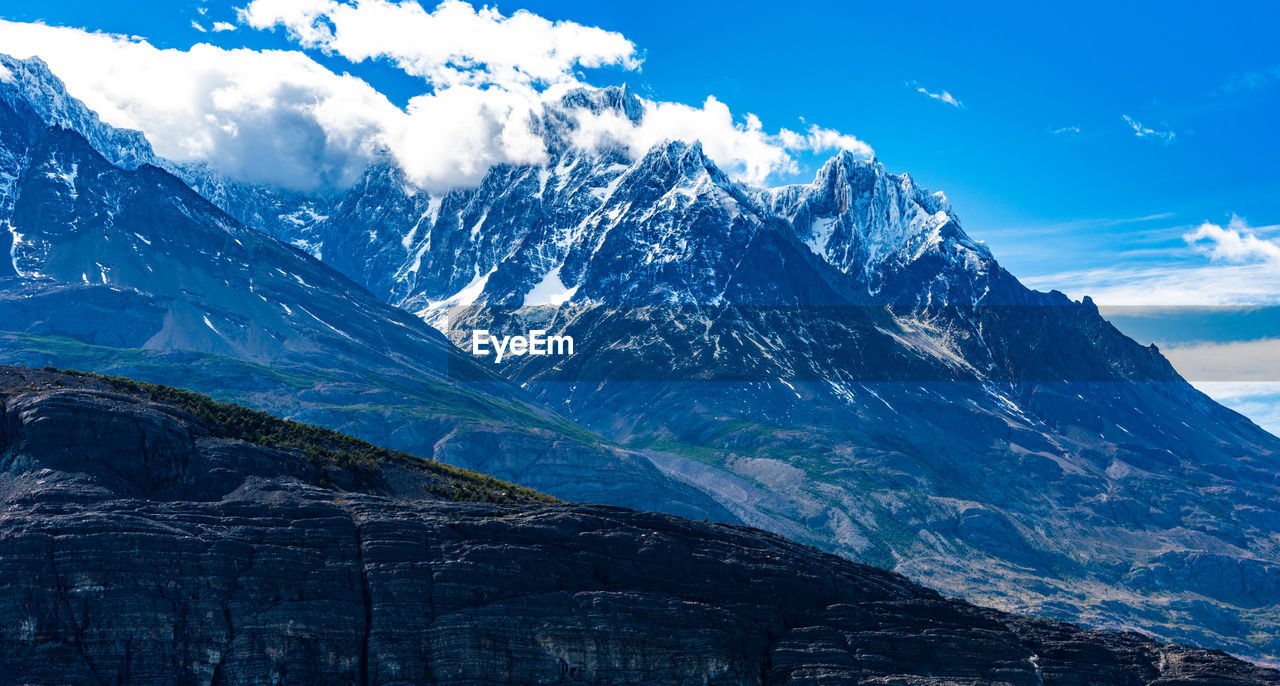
{"x":834,"y":361}
{"x":144,"y":542}
{"x":841,"y":363}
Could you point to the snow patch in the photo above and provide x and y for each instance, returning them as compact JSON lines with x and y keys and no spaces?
{"x":793,"y":388}
{"x":333,"y":328}
{"x":549,"y":291}
{"x":429,"y":216}
{"x":544,"y":175}
{"x":475,"y":230}
{"x":436,"y":313}
{"x":313,"y":249}
{"x":68,"y":177}
{"x":820,"y":236}
{"x":303,"y":217}
{"x":14,"y":247}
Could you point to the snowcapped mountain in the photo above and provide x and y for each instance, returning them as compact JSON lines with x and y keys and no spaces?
{"x":127,"y":270}
{"x":28,"y":84}
{"x":518,"y":238}
{"x":834,"y":361}
{"x":840,"y":362}
{"x":902,"y":241}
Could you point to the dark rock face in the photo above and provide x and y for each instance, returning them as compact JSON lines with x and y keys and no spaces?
{"x":137,"y":548}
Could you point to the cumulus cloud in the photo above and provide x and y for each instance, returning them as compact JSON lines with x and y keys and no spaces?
{"x":940,"y":96}
{"x":1235,"y":243}
{"x":818,"y":140}
{"x":453,"y":45}
{"x":222,"y":26}
{"x":744,"y":149}
{"x":1163,"y":135}
{"x":263,"y":116}
{"x":279,"y":117}
{"x":457,"y":46}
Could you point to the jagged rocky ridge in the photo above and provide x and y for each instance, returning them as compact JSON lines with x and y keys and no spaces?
{"x":141,"y":544}
{"x":995,"y":442}
{"x":125,"y":269}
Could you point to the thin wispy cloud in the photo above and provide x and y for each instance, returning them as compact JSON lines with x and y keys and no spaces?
{"x":1066,"y":131}
{"x":1256,"y":361}
{"x":196,"y":25}
{"x":1168,"y":285}
{"x":1252,"y":80}
{"x":1075,"y":226}
{"x":1243,"y":269}
{"x":1165,"y":136}
{"x":940,"y":96}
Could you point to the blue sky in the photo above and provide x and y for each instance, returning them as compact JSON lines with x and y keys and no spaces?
{"x":1093,"y":194}
{"x":1083,"y":142}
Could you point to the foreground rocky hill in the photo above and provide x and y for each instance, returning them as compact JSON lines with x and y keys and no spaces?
{"x":149,"y":542}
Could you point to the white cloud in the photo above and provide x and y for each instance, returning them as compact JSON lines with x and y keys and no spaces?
{"x":453,"y":45}
{"x":221,"y":26}
{"x":279,"y":117}
{"x":744,"y":149}
{"x":1066,"y":131}
{"x":941,"y":96}
{"x":1166,"y":136}
{"x":1243,"y":269}
{"x":458,"y":46}
{"x":1235,"y":243}
{"x":1252,"y":80}
{"x":263,"y":116}
{"x":1255,"y":362}
{"x":1172,"y":285}
{"x":819,"y":140}
{"x":451,"y":138}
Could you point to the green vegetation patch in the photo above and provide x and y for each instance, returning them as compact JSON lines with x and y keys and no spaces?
{"x":322,"y":446}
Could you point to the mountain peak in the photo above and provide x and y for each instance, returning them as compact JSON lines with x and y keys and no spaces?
{"x":618,"y":99}
{"x":30,"y":82}
{"x":845,"y":159}
{"x":672,"y":159}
